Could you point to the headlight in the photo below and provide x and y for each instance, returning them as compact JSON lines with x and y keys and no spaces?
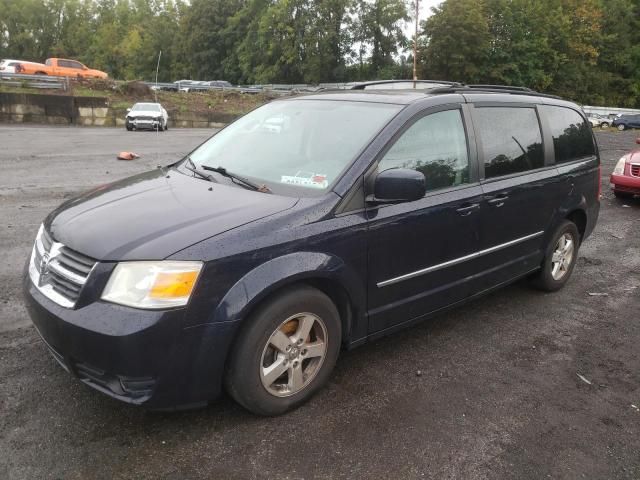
{"x":619,"y":170}
{"x":152,"y":285}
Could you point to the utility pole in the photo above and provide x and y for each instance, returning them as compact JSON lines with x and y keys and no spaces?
{"x":415,"y":46}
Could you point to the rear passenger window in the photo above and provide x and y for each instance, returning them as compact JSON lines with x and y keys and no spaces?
{"x":435,"y":145}
{"x":511,"y":140}
{"x":572,"y":138}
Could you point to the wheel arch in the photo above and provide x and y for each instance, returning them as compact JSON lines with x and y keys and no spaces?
{"x":579,"y":218}
{"x":325,"y":272}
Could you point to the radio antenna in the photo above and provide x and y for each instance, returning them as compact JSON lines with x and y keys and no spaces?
{"x":155,"y":95}
{"x":155,"y":92}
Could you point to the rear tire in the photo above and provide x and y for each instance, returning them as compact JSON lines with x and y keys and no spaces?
{"x":285,"y":352}
{"x":604,"y":125}
{"x":560,"y":258}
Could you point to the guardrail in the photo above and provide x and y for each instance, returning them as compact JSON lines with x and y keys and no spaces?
{"x":34,"y":81}
{"x":273,"y":89}
{"x":606,"y":111}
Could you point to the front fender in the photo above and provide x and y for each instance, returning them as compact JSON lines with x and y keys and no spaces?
{"x":272,"y":275}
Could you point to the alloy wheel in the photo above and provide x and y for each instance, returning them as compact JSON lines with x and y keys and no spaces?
{"x":293,"y":354}
{"x":562,"y":256}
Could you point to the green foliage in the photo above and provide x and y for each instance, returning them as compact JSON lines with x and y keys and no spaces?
{"x":586,"y":50}
{"x":458,"y":31}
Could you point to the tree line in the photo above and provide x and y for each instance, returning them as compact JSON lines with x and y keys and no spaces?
{"x":586,"y":50}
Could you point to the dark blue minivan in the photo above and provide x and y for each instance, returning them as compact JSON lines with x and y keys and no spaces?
{"x":309,"y":225}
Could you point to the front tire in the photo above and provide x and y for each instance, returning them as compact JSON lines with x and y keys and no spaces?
{"x":560,"y":258}
{"x":621,"y":127}
{"x":285,"y":352}
{"x":604,"y":125}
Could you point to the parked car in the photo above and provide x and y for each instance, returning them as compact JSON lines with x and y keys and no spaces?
{"x":9,"y":66}
{"x":191,"y":85}
{"x":61,"y":67}
{"x":598,"y":120}
{"x":625,"y":179}
{"x":624,"y":122}
{"x":218,"y":84}
{"x":147,"y":116}
{"x":311,"y":224}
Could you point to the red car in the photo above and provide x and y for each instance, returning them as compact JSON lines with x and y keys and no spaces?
{"x":625,"y":179}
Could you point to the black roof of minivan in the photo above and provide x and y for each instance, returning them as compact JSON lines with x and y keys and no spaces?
{"x":499,"y":93}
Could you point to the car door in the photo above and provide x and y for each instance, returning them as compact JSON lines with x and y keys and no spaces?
{"x":418,"y":250}
{"x":521,"y":191}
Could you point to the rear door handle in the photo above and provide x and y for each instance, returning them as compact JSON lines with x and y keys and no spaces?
{"x":467,"y":209}
{"x":498,"y":200}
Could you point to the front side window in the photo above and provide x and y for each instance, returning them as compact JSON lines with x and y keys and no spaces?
{"x":435,"y":145}
{"x":511,"y":140}
{"x":572,"y":138}
{"x":302,"y":145}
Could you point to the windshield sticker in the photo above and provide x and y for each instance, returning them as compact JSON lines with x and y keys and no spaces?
{"x":305,"y":179}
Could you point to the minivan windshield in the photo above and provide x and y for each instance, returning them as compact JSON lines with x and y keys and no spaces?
{"x":303,"y":143}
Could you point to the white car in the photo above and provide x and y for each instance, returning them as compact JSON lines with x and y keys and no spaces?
{"x":599,"y":121}
{"x":147,"y":116}
{"x":9,"y":66}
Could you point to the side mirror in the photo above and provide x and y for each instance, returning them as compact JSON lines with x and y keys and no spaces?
{"x":399,"y":185}
{"x":128,"y":110}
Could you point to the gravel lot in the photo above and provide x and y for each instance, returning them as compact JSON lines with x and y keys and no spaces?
{"x":499,"y":395}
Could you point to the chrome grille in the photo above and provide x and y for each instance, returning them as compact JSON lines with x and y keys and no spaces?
{"x":58,"y":271}
{"x":635,"y":169}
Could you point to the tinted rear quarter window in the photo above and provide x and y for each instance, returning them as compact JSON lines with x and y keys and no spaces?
{"x":511,"y":140}
{"x":572,"y":137}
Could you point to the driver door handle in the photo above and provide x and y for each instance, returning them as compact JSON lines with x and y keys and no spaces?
{"x":467,"y":209}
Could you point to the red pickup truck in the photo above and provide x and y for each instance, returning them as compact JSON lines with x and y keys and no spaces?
{"x":60,"y":67}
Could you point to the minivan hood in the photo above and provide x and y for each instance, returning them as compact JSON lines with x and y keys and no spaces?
{"x":155,"y":214}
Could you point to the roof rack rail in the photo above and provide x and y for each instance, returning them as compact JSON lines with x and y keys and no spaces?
{"x":441,"y":83}
{"x":500,"y":87}
{"x":491,"y":89}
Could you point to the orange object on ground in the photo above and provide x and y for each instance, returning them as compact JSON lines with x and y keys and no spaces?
{"x":128,"y":156}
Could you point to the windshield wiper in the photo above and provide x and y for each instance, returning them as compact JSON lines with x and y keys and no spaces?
{"x":193,"y":169}
{"x":238,"y":179}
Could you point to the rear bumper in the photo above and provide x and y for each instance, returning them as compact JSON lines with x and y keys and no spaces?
{"x":625,"y":183}
{"x":136,"y":356}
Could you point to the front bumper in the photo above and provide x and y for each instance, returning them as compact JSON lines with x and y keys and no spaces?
{"x":625,"y":183}
{"x":144,"y":124}
{"x":136,"y":356}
